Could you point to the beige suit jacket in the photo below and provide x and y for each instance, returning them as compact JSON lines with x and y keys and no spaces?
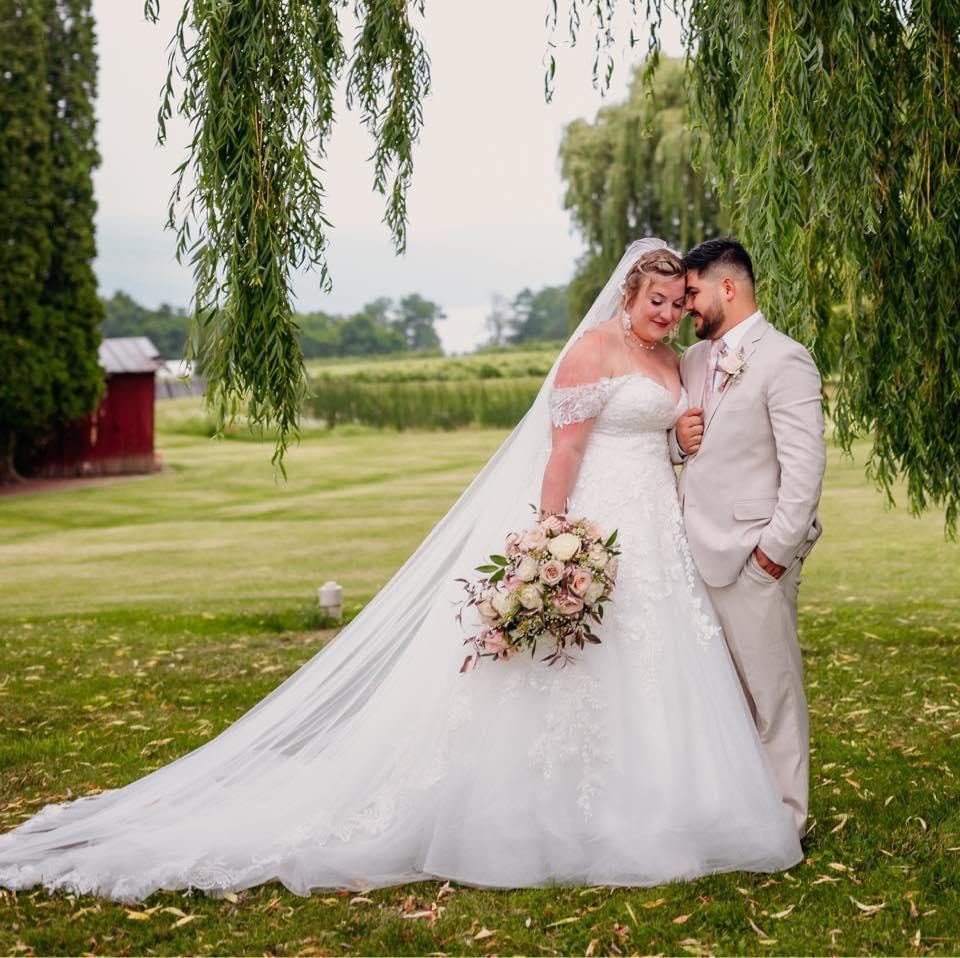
{"x":757,"y":477}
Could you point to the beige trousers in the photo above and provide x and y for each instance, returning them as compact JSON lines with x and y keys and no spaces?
{"x":759,"y":618}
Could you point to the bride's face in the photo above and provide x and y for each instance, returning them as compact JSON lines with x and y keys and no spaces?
{"x":657,"y":307}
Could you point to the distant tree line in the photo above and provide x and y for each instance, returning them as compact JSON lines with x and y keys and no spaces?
{"x":383,"y":326}
{"x":531,"y":316}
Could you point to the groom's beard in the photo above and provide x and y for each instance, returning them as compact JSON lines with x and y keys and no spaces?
{"x":709,"y":322}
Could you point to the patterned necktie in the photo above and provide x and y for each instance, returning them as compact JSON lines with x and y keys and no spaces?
{"x":716,"y":347}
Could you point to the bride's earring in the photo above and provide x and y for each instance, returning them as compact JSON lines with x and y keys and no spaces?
{"x":625,"y":319}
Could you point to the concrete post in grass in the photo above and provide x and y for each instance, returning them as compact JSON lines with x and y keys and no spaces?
{"x":330,"y":598}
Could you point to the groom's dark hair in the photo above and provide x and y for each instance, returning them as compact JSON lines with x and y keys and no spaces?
{"x":719,"y":251}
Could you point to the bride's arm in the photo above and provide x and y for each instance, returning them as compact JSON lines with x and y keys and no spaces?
{"x":563,"y":466}
{"x":579,"y":393}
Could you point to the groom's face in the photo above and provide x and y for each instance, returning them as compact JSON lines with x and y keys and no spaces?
{"x":704,"y":304}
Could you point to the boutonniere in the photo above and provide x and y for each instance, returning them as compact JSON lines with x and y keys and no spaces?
{"x":733,"y":364}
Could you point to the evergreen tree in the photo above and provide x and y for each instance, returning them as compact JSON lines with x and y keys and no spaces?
{"x":26,"y":401}
{"x":69,"y":293}
{"x":49,"y":310}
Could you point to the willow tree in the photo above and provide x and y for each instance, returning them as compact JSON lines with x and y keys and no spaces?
{"x":630,"y":173}
{"x":835,"y":127}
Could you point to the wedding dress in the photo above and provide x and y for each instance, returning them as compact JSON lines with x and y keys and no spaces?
{"x":378,"y":763}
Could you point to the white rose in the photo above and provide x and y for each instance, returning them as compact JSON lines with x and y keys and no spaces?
{"x":528,"y":569}
{"x":486,"y":609}
{"x":594,"y":591}
{"x":531,"y":597}
{"x":505,"y":603}
{"x":565,"y":546}
{"x":598,"y":557}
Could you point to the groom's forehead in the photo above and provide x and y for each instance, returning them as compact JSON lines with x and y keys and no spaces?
{"x":693,"y":281}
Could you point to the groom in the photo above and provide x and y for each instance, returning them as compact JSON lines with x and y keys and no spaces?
{"x":753,"y":459}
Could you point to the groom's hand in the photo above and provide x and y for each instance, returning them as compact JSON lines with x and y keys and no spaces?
{"x":767,"y":564}
{"x":690,"y":431}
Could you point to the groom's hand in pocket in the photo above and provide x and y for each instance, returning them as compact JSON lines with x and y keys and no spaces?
{"x":690,"y":431}
{"x":767,"y":564}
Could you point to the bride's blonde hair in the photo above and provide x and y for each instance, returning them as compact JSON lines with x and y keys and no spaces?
{"x":656,"y":262}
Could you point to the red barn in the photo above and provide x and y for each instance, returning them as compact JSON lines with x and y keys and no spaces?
{"x":118,"y":437}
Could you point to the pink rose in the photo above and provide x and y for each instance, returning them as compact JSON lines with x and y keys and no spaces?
{"x":494,"y":642}
{"x":512,"y":581}
{"x":567,"y":604}
{"x":580,"y":581}
{"x":533,"y":540}
{"x":595,"y":532}
{"x":513,"y":545}
{"x":552,"y":525}
{"x":551,"y":572}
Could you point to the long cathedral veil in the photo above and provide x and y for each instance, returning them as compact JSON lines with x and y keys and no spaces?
{"x":315,"y":710}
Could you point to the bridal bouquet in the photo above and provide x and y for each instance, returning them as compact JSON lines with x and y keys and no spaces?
{"x":547,"y":589}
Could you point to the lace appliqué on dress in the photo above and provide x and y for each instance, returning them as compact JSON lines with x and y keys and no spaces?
{"x":572,"y":404}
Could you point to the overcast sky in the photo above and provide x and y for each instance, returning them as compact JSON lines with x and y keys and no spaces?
{"x":485,"y":208}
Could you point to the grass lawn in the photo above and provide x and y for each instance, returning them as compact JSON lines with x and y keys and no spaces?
{"x":139,"y":618}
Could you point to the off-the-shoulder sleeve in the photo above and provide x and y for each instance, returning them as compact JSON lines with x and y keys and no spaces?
{"x":573,"y":404}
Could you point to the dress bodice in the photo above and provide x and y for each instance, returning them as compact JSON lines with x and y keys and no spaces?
{"x":625,"y":406}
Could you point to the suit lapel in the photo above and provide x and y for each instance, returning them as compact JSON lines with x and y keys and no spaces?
{"x":749,"y":348}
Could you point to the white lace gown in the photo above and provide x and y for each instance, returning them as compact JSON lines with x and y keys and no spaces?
{"x":636,"y":765}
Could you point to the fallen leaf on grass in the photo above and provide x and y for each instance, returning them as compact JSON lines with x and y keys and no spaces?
{"x":591,"y":948}
{"x":563,"y":921}
{"x":843,"y":821}
{"x":170,"y":910}
{"x":761,"y":934}
{"x":837,"y":866}
{"x":360,"y":900}
{"x":232,"y":897}
{"x":680,"y":919}
{"x":180,"y":922}
{"x":784,"y":913}
{"x":825,"y":878}
{"x":138,"y":916}
{"x":484,"y":933}
{"x":428,"y":913}
{"x":917,"y":818}
{"x":655,"y":904}
{"x":867,"y":909}
{"x":632,"y":913}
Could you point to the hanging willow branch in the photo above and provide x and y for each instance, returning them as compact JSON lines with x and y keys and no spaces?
{"x":839,"y":132}
{"x":256,"y":81}
{"x":835,"y":127}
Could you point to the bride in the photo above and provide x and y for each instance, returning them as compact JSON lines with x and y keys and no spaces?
{"x":377,"y":763}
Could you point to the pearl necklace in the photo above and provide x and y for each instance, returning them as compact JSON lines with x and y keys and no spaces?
{"x":632,"y":339}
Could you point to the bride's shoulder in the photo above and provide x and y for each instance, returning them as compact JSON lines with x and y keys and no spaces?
{"x":586,"y":361}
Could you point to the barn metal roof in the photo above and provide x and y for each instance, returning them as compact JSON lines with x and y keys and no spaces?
{"x":129,"y":354}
